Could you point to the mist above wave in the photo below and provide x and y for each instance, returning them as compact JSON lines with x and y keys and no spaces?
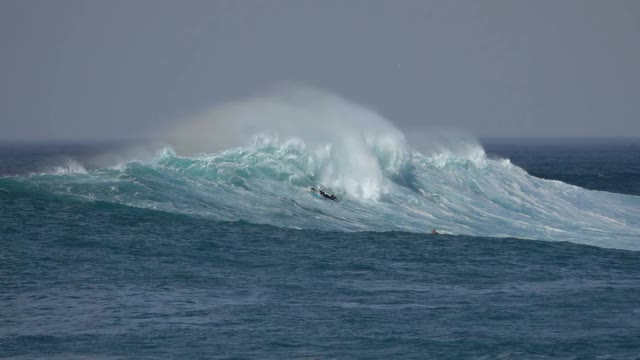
{"x":353,"y":146}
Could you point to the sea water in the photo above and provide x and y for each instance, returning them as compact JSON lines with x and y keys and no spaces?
{"x":227,"y":255}
{"x":208,"y":243}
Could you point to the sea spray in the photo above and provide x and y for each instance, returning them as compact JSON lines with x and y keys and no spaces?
{"x":346,"y":139}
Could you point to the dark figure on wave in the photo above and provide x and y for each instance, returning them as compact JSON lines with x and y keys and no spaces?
{"x":324,"y":194}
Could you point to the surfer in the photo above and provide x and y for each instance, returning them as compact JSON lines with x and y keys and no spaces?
{"x":434,"y":232}
{"x":328,"y":196}
{"x":324,"y":194}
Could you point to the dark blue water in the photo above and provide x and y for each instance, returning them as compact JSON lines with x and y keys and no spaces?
{"x":87,"y":278}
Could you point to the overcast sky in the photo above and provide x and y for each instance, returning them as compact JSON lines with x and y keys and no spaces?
{"x":95,"y":69}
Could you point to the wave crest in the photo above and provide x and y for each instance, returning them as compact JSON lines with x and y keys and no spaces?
{"x":288,"y":144}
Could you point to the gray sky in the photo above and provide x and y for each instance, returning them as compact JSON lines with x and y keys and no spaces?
{"x":94,"y":69}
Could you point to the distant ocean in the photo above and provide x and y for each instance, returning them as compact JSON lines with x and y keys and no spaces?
{"x":112,"y":251}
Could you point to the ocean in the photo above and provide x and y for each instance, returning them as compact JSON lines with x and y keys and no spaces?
{"x":114,"y":251}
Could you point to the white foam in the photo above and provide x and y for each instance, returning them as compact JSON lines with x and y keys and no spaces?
{"x":69,"y":167}
{"x":346,"y":139}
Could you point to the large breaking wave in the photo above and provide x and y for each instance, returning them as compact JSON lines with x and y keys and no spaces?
{"x":255,"y":161}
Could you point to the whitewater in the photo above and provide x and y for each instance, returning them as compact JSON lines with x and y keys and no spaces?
{"x":256,"y":160}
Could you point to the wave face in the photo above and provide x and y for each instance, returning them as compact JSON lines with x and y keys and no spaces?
{"x":381,"y":182}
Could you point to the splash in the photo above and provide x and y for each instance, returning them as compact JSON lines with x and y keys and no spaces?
{"x":69,"y":166}
{"x":346,"y":140}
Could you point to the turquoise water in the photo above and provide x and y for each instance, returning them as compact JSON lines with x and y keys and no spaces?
{"x":227,"y":255}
